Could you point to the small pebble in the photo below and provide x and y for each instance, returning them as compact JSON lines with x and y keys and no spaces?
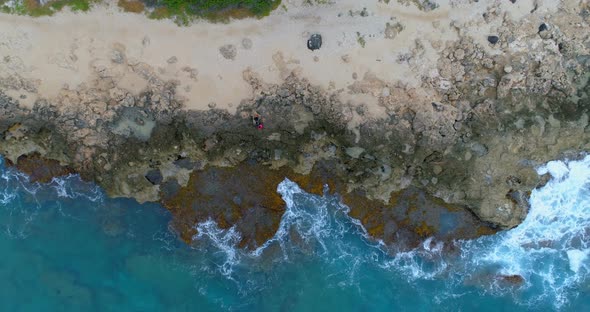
{"x":508,"y":69}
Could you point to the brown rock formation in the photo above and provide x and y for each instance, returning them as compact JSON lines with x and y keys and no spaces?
{"x":41,"y":169}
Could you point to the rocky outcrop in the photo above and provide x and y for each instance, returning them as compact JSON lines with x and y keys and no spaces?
{"x":40,"y":169}
{"x":452,"y":158}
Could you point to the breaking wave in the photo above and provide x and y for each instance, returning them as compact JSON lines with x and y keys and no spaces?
{"x":542,"y":261}
{"x":545,"y":261}
{"x":550,"y":248}
{"x":23,"y":198}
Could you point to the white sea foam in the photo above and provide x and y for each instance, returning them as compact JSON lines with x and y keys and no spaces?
{"x":424,"y":262}
{"x":577,"y":259}
{"x":553,"y":235}
{"x":309,"y":217}
{"x":18,"y":196}
{"x":71,"y":186}
{"x":225,"y":241}
{"x":7,"y":193}
{"x":21,"y":216}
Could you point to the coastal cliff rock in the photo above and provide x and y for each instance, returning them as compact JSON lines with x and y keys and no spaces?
{"x":453,"y":157}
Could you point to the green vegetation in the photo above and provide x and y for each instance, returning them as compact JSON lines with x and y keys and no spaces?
{"x":182,"y":11}
{"x":133,"y":6}
{"x":422,"y":5}
{"x":34,"y":8}
{"x":360,"y":39}
{"x":75,"y":5}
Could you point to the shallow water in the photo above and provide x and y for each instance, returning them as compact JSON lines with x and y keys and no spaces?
{"x":66,"y":247}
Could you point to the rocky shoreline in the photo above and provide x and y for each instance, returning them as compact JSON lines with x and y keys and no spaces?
{"x":463,"y":146}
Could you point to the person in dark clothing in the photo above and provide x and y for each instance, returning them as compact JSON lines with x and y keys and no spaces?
{"x":257,"y":121}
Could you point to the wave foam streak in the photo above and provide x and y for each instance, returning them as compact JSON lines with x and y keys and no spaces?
{"x":226,"y":241}
{"x":21,"y":201}
{"x":318,"y":247}
{"x":541,"y":261}
{"x":308,"y":217}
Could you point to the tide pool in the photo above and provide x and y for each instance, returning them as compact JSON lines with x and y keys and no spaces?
{"x":66,"y":247}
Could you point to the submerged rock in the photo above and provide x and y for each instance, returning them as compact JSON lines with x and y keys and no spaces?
{"x":511,"y":280}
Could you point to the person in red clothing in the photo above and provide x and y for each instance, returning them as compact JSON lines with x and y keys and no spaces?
{"x":257,"y":121}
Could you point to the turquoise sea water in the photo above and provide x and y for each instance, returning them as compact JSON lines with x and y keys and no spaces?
{"x":66,"y":247}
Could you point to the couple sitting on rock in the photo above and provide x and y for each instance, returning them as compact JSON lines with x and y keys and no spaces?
{"x":257,"y":120}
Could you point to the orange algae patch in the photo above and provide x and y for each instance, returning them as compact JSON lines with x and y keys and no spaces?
{"x":486,"y":230}
{"x":425,"y":230}
{"x":245,"y":197}
{"x":412,"y":215}
{"x":40,"y":169}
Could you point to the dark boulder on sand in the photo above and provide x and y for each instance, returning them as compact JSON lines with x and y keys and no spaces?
{"x":314,"y":42}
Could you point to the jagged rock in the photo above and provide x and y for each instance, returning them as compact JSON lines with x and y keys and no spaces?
{"x":154,"y":176}
{"x":543,"y":27}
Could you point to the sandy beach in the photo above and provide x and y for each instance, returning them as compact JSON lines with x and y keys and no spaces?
{"x":66,"y":49}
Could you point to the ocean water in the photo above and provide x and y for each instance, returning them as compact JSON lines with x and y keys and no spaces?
{"x":66,"y":247}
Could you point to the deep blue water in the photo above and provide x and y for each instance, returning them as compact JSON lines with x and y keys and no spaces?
{"x":66,"y":247}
